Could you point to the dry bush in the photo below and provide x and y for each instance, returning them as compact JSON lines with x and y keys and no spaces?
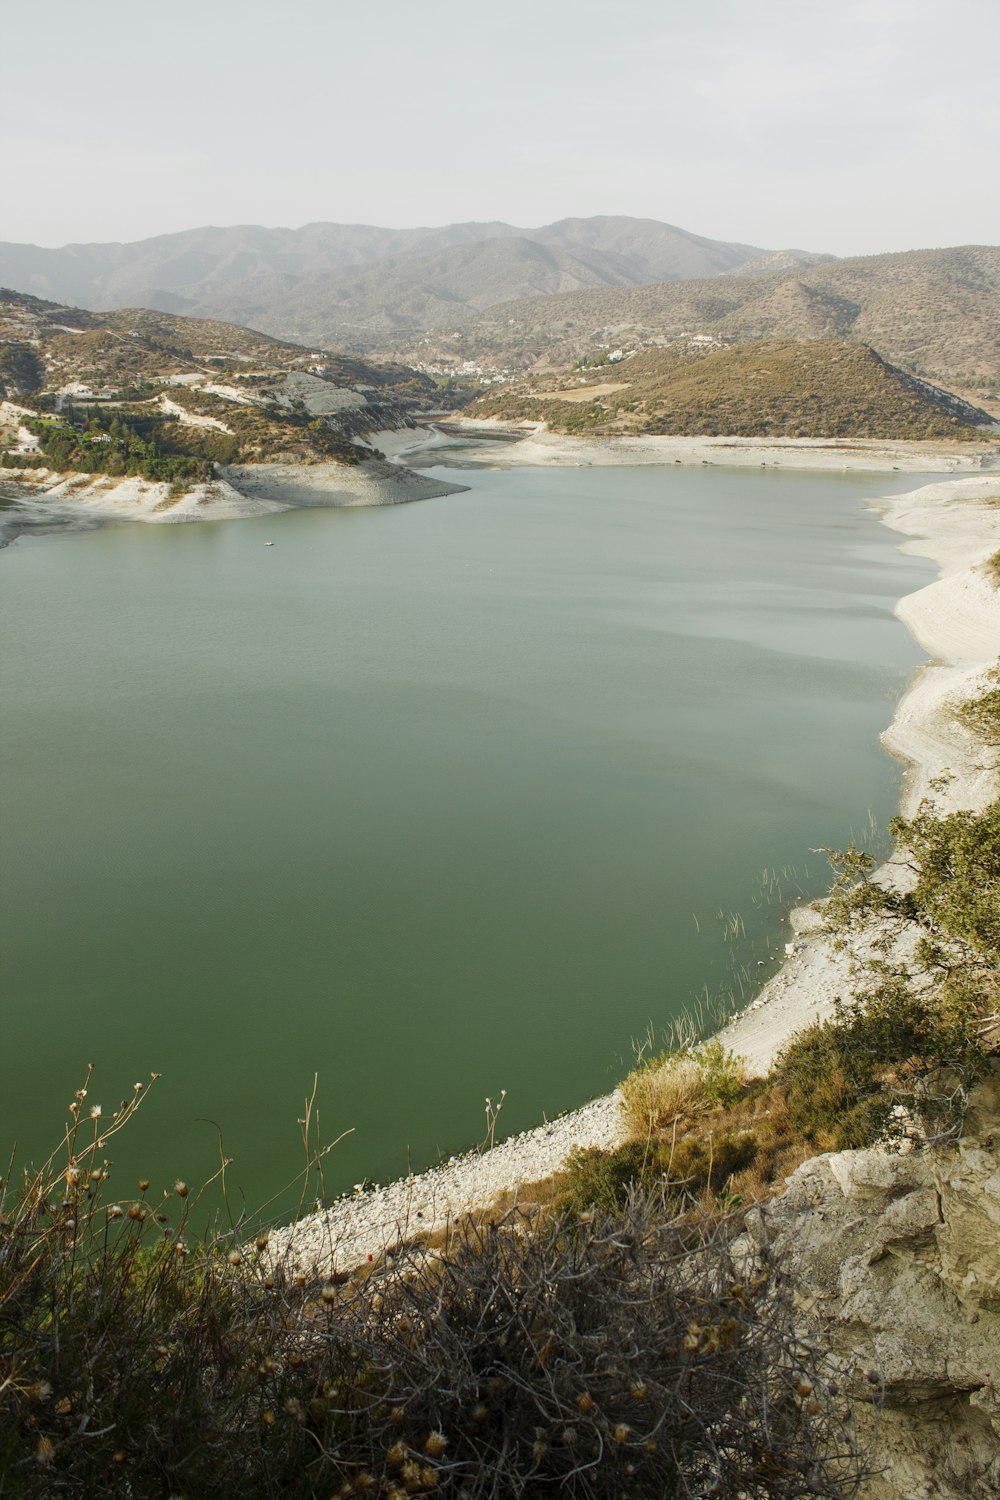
{"x":597,"y":1355}
{"x":622,"y":1355}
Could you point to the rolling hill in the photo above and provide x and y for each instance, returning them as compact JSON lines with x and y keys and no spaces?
{"x":935,"y":312}
{"x":168,"y":397}
{"x":810,"y":388}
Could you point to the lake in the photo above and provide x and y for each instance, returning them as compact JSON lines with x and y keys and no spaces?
{"x":429,"y":801}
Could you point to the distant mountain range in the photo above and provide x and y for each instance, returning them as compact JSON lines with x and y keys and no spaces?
{"x":359,"y":287}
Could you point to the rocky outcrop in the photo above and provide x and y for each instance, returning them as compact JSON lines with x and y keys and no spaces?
{"x":894,"y":1258}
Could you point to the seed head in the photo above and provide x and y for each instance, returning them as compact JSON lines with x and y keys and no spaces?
{"x":638,"y":1390}
{"x":181,"y":1188}
{"x":329,"y":1293}
{"x":45,"y":1451}
{"x":396,"y":1454}
{"x":234,"y":1258}
{"x":622,"y":1432}
{"x":435,"y":1444}
{"x":144,"y":1184}
{"x":585,"y":1402}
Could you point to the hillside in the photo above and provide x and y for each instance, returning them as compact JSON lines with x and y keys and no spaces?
{"x":812,"y":388}
{"x":151,"y":394}
{"x":359,"y":285}
{"x":935,"y":312}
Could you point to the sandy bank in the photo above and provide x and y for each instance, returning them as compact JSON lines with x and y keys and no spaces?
{"x":956,"y":619}
{"x":42,"y":502}
{"x":292,"y":486}
{"x":539,"y":446}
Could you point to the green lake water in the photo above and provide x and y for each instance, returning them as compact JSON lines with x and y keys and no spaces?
{"x":429,"y":801}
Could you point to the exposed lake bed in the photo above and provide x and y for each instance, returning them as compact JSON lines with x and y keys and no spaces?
{"x":432,"y":800}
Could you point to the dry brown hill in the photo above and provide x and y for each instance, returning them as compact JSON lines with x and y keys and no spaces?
{"x":813,"y":388}
{"x":137,"y":344}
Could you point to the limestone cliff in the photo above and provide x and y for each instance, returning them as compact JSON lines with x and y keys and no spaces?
{"x":895,"y":1259}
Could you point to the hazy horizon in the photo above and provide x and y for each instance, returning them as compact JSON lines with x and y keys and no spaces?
{"x":873,"y":133}
{"x":401,"y":227}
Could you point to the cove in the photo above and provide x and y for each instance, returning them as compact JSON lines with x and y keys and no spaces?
{"x":430,"y":800}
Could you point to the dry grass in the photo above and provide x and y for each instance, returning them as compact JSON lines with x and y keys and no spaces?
{"x":660,"y":1093}
{"x":581,"y":393}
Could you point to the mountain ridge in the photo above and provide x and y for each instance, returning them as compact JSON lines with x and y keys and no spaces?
{"x":321,"y":282}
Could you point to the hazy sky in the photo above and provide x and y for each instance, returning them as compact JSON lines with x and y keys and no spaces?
{"x":851,"y":126}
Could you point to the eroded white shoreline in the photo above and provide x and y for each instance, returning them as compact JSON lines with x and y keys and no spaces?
{"x":54,"y":501}
{"x":956,"y":619}
{"x":861,"y":455}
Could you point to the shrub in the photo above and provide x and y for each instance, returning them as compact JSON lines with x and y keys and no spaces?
{"x":622,"y":1354}
{"x":604,"y":1179}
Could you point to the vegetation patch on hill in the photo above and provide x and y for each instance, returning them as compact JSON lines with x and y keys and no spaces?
{"x":166,"y":397}
{"x":814,"y":388}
